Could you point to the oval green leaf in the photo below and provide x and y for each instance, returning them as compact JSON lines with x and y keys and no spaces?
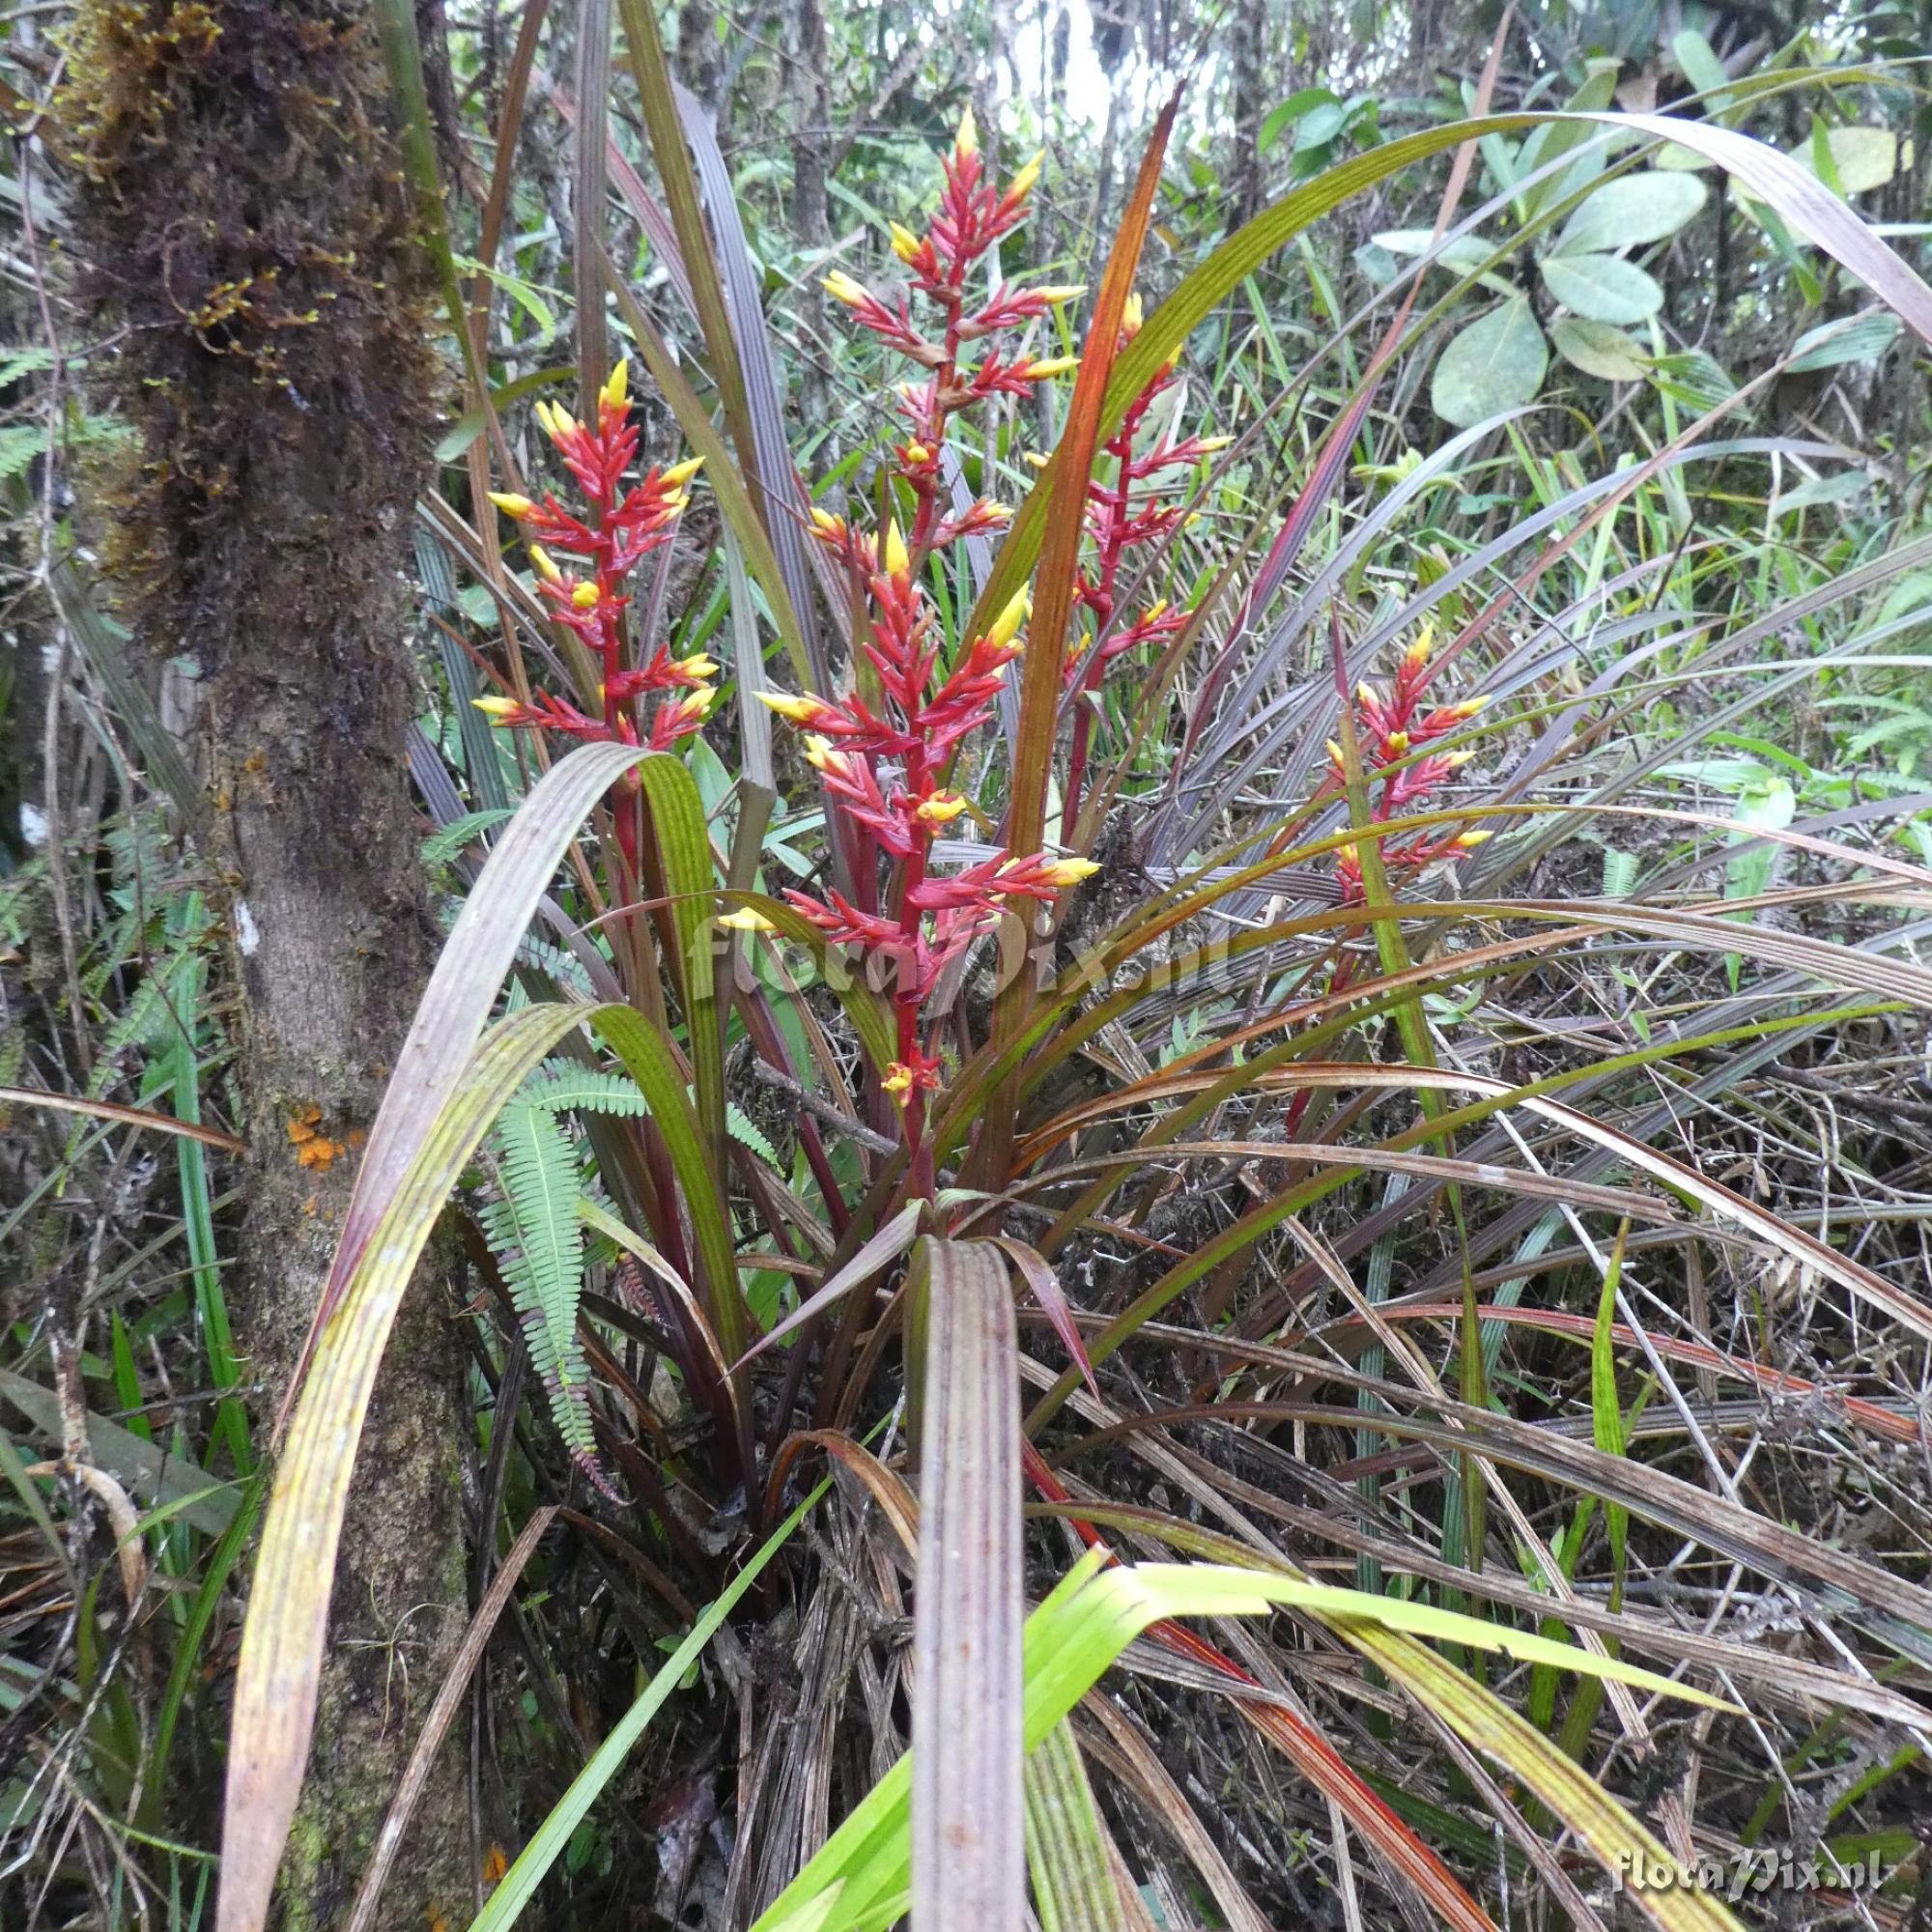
{"x":1862,"y":158}
{"x":1631,"y":209}
{"x":1600,"y":288}
{"x":1863,"y":338}
{"x":1598,"y":350}
{"x":1495,"y":364}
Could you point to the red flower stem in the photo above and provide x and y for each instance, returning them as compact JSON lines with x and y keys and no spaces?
{"x":1112,"y":506}
{"x":934,"y":432}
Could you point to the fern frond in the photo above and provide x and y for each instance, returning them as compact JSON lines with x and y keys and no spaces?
{"x":533,"y":1232}
{"x":558,"y":1084}
{"x":743,"y":1132}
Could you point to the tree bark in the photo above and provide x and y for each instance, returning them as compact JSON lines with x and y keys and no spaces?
{"x":701,"y":60}
{"x":811,"y":213}
{"x":243,"y":215}
{"x":1247,"y":24}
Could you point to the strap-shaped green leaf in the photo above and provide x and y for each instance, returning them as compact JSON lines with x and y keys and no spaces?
{"x":684,"y":853}
{"x":280,"y":1675}
{"x":648,"y":1061}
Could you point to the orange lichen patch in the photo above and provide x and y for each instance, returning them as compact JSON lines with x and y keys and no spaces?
{"x":254,"y":761}
{"x":496,"y":1862}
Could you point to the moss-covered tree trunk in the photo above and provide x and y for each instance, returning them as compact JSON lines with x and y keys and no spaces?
{"x":245,"y":223}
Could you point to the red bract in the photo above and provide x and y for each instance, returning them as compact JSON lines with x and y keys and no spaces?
{"x":1389,"y":732}
{"x":1121,"y":515}
{"x":885,"y":772}
{"x":882,"y":769}
{"x":622,"y":527}
{"x":972,"y":215}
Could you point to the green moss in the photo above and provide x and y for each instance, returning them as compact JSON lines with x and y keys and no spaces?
{"x":240,"y":190}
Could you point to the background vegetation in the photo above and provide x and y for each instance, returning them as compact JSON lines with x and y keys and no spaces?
{"x":1407,"y":1256}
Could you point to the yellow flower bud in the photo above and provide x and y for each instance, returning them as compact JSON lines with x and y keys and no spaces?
{"x":1062,"y":292}
{"x":1468,"y":841}
{"x":616,"y":390}
{"x":701,"y":665}
{"x":825,"y":522}
{"x":511,"y":504}
{"x":681,"y":474}
{"x":899,"y":1075}
{"x":905,"y":244}
{"x":545,"y":568}
{"x":967,"y":140}
{"x":1068,"y":872}
{"x":917,"y":453}
{"x":1368,"y":694}
{"x":1036,"y":460}
{"x":496,"y":709}
{"x":1132,"y":316}
{"x":747,"y":918}
{"x":1028,"y":178}
{"x":840,"y":287}
{"x":1053,"y":365}
{"x":800,"y":710}
{"x":897,"y":563}
{"x":1007,"y":625}
{"x":1417,"y":654}
{"x":1335,"y":752}
{"x":1209,"y":443}
{"x":941,"y":809}
{"x":586,"y":596}
{"x":1398,"y":744}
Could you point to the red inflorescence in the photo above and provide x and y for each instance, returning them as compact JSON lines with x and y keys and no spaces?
{"x":1126,"y":513}
{"x":1391,"y":731}
{"x":882,"y":769}
{"x":622,"y":527}
{"x":1138,"y":506}
{"x":887,"y":774}
{"x":972,"y":215}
